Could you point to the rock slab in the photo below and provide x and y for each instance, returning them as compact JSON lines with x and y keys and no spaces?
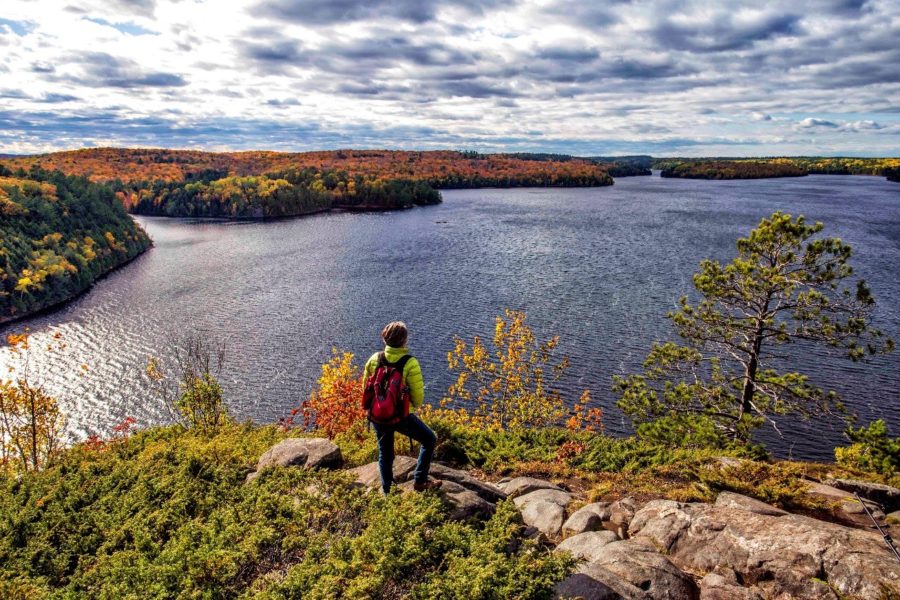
{"x":787,"y":556}
{"x":739,"y":502}
{"x":300,"y":452}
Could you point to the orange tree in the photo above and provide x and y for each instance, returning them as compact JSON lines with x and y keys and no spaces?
{"x":334,"y":407}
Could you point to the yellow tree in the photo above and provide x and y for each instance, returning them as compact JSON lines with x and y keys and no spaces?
{"x":31,"y":424}
{"x":508,"y":386}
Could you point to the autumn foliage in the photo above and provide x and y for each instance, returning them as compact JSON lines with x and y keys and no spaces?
{"x":334,"y":407}
{"x":31,"y":423}
{"x":274,"y":184}
{"x":58,"y":234}
{"x":510,"y":385}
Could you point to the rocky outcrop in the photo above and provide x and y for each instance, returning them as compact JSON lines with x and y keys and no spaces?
{"x":369,"y":476}
{"x":629,"y":569}
{"x":722,"y":584}
{"x":783,"y":556}
{"x":595,"y":582}
{"x":546,"y":517}
{"x":469,"y":498}
{"x":558,"y":497}
{"x":620,"y":514}
{"x":638,"y":563}
{"x":737,"y":548}
{"x":300,"y":452}
{"x":739,"y":502}
{"x":886,"y":496}
{"x":843,"y":504}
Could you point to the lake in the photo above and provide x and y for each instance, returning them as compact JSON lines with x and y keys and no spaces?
{"x":599,"y":267}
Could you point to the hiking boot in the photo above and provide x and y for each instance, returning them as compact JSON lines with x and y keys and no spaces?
{"x":431,"y":484}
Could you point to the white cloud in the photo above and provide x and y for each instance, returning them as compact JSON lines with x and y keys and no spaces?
{"x":661,"y":76}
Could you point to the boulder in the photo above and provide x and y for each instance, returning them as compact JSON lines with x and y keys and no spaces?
{"x":787,"y":556}
{"x":595,"y":582}
{"x":587,"y":546}
{"x":739,"y":502}
{"x":587,"y":518}
{"x":722,"y":584}
{"x":466,"y":504}
{"x":554,"y":496}
{"x":886,"y":496}
{"x":893,"y":518}
{"x":547,"y":517}
{"x":370,"y":476}
{"x":638,"y":563}
{"x":519,"y":486}
{"x":300,"y":452}
{"x":486,"y":491}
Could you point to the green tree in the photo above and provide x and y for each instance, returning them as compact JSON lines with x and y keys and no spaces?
{"x":723,"y":380}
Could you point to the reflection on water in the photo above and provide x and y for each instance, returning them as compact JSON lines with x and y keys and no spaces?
{"x":600,"y":267}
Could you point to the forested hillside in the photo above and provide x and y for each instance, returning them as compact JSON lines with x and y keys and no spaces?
{"x":58,"y":234}
{"x":274,"y":184}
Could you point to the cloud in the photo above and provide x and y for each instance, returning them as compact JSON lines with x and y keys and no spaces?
{"x":327,"y":12}
{"x":106,"y":70}
{"x":142,"y":8}
{"x":679,"y":76}
{"x":723,"y":31}
{"x":813,"y":123}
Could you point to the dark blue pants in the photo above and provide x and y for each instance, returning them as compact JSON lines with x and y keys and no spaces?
{"x":412,"y":427}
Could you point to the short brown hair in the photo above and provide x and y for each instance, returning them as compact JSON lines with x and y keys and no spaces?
{"x":395,"y":334}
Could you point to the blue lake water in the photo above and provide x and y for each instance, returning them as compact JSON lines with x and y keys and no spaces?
{"x":599,"y":267}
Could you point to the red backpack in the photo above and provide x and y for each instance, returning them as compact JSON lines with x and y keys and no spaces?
{"x":385,"y":398}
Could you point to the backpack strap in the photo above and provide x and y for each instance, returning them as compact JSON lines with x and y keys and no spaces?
{"x":381,"y":360}
{"x":401,"y":362}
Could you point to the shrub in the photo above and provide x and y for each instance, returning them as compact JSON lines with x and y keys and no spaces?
{"x":190,"y":388}
{"x":872,"y":450}
{"x":509,"y":385}
{"x":334,"y":408}
{"x":169,"y":515}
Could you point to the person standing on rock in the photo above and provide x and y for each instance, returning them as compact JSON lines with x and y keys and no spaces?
{"x":393,"y":386}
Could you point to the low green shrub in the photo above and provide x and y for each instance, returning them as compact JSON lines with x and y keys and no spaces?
{"x":872,"y":450}
{"x":166,"y":513}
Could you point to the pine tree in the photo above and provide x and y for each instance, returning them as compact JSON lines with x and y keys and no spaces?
{"x":722,"y":381}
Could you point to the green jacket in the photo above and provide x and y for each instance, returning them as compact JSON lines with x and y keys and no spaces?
{"x":412,"y":373}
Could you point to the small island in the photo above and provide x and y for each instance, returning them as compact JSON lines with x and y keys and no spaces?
{"x":766,"y":167}
{"x":732,"y":170}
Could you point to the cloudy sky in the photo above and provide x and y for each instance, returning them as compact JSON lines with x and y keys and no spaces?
{"x":661,"y":77}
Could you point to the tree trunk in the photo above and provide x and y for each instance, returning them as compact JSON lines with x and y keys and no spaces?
{"x":753,"y":363}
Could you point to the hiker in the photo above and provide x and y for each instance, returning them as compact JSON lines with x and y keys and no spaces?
{"x":394,"y":385}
